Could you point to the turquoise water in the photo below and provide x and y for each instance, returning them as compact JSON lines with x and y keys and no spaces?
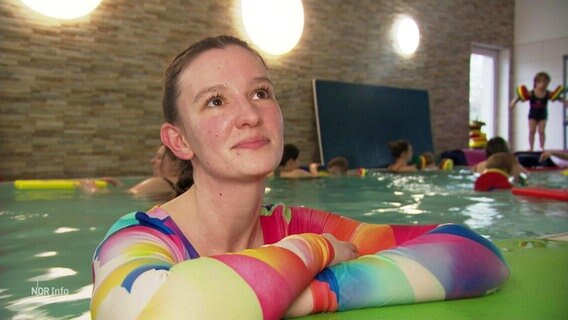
{"x":47,"y":238}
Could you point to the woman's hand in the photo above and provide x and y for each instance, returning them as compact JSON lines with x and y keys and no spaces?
{"x":344,"y":250}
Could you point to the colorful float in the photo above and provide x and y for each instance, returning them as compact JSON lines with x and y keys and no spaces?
{"x":492,"y":179}
{"x":477,"y":138}
{"x":556,"y":194}
{"x":54,"y":184}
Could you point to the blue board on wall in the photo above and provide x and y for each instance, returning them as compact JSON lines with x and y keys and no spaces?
{"x":356,"y":121}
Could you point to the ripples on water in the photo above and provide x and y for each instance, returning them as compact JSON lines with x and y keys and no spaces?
{"x":431,"y":197}
{"x":47,"y":238}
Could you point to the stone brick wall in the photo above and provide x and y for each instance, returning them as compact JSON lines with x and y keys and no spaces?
{"x":82,"y":98}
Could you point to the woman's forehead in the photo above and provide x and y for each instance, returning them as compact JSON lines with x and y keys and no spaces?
{"x":221,"y":66}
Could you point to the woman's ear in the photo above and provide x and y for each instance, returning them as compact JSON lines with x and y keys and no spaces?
{"x":173,"y":138}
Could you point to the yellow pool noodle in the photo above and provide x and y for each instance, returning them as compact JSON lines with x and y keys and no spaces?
{"x":54,"y":184}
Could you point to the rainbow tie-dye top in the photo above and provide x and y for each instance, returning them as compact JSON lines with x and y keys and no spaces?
{"x":145,"y":268}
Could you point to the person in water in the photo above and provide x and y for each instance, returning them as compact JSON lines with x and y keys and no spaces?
{"x":217,"y":252}
{"x":290,"y":166}
{"x":162,"y":185}
{"x":165,"y":173}
{"x":499,"y":168}
{"x":499,"y":145}
{"x":401,"y":151}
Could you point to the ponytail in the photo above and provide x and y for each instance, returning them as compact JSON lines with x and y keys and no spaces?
{"x":185,"y":180}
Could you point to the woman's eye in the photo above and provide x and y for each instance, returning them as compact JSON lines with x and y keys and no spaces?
{"x":261,"y":94}
{"x":214,"y":102}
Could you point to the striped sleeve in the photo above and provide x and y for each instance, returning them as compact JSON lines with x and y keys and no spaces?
{"x":401,"y":264}
{"x":142,"y":270}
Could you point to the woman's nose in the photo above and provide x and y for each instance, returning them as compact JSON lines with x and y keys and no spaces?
{"x":248,"y":115}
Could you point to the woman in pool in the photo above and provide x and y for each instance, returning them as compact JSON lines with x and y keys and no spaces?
{"x":162,"y":185}
{"x":165,"y":172}
{"x":215,"y":252}
{"x":401,"y":151}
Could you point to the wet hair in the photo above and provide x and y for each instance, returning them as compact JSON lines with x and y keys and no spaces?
{"x":172,"y":91}
{"x":398,"y":147}
{"x":339,"y":162}
{"x":179,"y":163}
{"x":185,"y":180}
{"x":495,"y":145}
{"x":181,"y":166}
{"x":503,"y":161}
{"x":541,"y":76}
{"x":291,"y":152}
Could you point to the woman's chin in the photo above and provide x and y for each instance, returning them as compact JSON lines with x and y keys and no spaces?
{"x":259,"y":172}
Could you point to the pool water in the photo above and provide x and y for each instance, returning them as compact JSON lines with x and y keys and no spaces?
{"x":47,"y":237}
{"x":432,"y":197}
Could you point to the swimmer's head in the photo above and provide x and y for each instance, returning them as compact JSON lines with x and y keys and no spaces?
{"x":541,"y":80}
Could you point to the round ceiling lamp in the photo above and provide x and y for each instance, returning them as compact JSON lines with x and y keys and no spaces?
{"x":63,"y":9}
{"x":275,"y":26}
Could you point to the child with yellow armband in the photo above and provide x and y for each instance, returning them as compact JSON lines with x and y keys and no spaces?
{"x":538,"y":99}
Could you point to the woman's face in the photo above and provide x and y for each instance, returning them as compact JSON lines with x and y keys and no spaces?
{"x":229,"y":114}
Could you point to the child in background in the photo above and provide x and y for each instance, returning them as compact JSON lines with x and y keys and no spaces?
{"x":290,"y":166}
{"x":494,"y":145}
{"x":337,"y":166}
{"x":428,"y":162}
{"x":538,"y":98}
{"x":498,"y":145}
{"x":500,"y":167}
{"x":401,"y":151}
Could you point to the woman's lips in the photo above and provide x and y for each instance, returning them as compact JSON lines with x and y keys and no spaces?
{"x":252,"y":143}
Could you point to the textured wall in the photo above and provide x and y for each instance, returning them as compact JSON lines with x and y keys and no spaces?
{"x":82,"y":98}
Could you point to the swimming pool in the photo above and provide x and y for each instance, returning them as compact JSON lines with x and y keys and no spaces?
{"x":47,"y":237}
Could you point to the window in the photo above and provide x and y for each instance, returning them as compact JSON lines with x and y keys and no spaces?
{"x":483,"y":83}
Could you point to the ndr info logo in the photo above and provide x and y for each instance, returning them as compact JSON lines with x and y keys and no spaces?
{"x":49,"y":291}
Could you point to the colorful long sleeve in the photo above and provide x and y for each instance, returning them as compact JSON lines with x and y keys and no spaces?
{"x":399,"y":264}
{"x":144,"y":269}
